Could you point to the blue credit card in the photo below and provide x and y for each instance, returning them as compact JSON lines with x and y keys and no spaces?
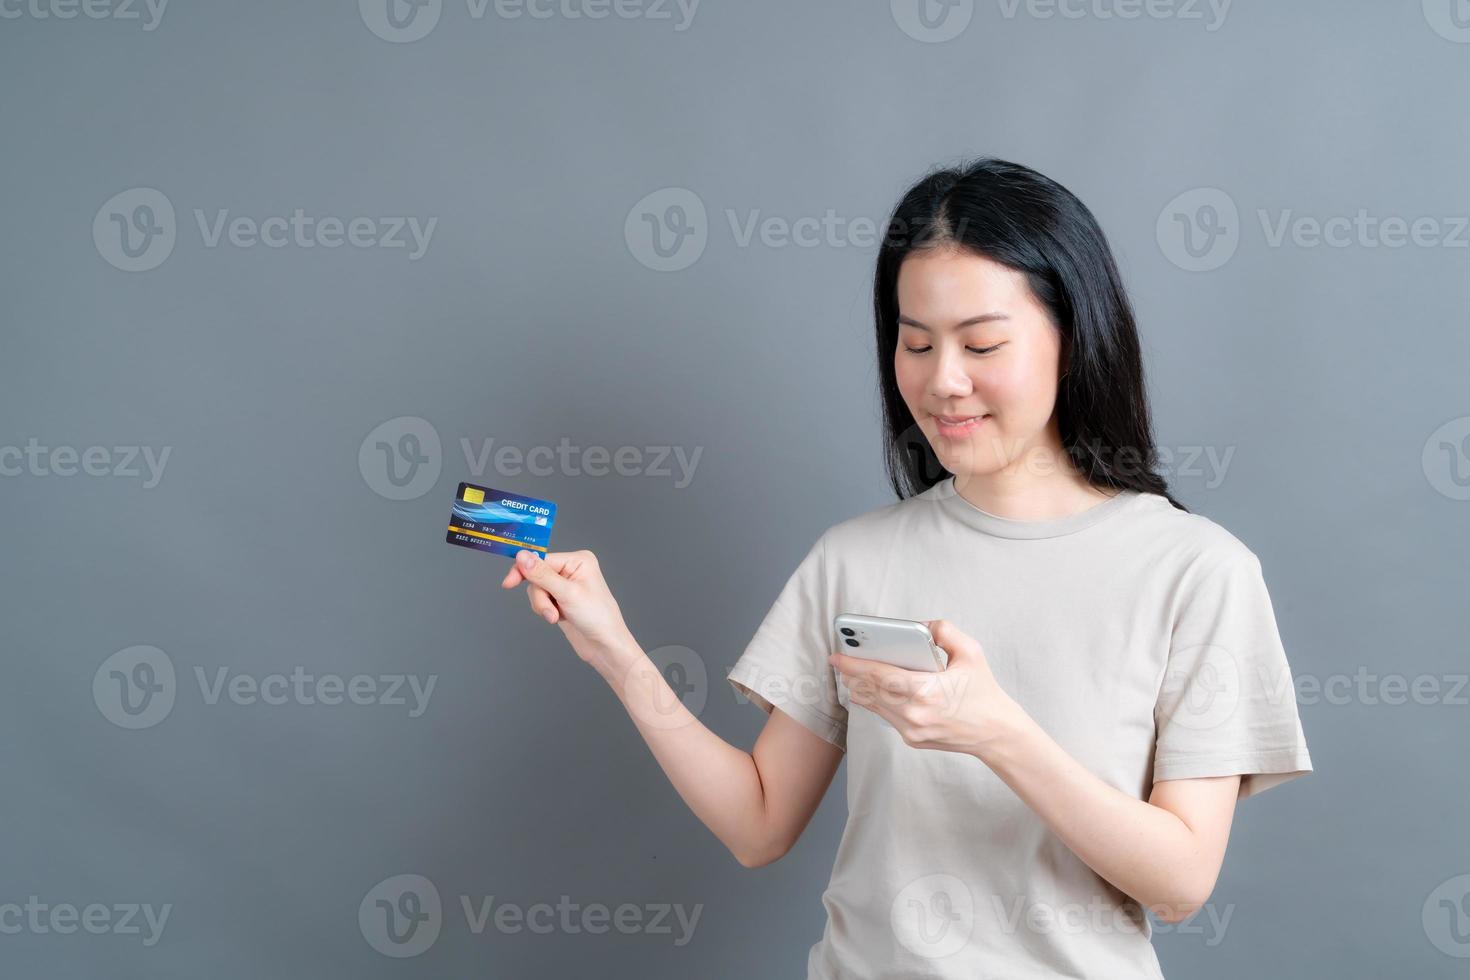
{"x":500,"y":522}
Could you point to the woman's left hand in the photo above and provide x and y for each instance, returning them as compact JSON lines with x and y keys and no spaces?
{"x":958,"y":709}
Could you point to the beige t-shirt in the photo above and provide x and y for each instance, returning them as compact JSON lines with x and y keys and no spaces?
{"x":1140,"y":637}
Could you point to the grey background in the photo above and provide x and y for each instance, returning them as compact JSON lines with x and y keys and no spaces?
{"x":530,"y":318}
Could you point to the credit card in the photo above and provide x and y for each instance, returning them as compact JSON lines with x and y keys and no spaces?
{"x":500,"y":522}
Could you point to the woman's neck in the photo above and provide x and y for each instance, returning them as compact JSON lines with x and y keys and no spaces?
{"x":1030,"y":496}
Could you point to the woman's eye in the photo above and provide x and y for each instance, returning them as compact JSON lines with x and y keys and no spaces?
{"x":972,"y":350}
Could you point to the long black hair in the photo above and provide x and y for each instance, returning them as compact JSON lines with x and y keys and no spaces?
{"x":1025,"y":221}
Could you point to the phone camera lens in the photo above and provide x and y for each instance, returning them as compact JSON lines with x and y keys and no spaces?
{"x":851,"y":642}
{"x":847,"y":632}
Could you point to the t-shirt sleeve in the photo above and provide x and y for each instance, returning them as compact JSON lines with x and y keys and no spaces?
{"x":1227,"y":704}
{"x":785,"y":663}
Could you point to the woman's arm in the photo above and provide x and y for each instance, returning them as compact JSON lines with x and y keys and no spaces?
{"x":757,"y":803}
{"x":1164,"y":852}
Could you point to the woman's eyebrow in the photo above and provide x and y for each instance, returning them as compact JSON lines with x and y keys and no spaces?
{"x":982,"y":318}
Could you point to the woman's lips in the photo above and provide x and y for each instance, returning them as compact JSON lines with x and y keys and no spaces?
{"x":959,"y":426}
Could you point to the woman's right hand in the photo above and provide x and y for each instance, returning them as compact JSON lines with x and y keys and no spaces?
{"x":567,"y":589}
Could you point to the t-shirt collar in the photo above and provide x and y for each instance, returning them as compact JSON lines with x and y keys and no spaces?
{"x":957,"y":506}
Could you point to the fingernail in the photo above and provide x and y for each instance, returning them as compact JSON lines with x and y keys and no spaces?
{"x":524,"y":557}
{"x":548,"y":616}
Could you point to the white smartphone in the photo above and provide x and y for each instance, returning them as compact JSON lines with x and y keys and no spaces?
{"x":900,"y":642}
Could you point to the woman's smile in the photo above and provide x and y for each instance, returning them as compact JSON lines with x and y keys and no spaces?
{"x":959,"y":426}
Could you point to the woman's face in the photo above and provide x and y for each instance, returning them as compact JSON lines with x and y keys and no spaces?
{"x":977,"y":361}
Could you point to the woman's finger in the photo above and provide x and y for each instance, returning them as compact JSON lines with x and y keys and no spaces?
{"x":869,"y":681}
{"x":867,"y":698}
{"x":561,"y":562}
{"x":545,"y":572}
{"x":542,"y":604}
{"x":955,"y":642}
{"x":876,"y":675}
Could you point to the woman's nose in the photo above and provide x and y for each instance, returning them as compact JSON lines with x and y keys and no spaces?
{"x":950,"y":378}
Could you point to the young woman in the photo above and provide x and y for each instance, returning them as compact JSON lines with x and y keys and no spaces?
{"x":1116,"y":681}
